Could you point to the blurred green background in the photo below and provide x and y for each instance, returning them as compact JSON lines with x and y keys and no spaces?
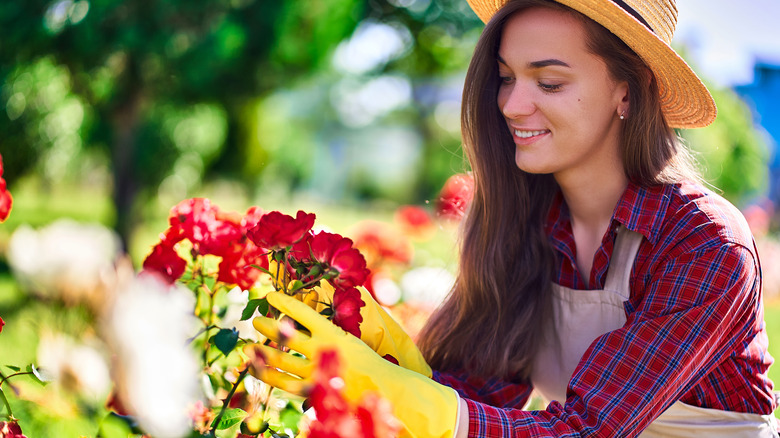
{"x":113,"y":111}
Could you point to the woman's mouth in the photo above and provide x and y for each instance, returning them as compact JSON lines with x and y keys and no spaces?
{"x":528,"y":134}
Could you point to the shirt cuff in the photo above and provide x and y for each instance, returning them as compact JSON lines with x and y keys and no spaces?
{"x":461,"y":419}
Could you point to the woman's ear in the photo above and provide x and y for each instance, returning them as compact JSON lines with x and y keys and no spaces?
{"x":623,"y":104}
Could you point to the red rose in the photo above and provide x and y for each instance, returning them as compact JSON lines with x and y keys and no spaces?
{"x":336,"y":252}
{"x":193,"y":217}
{"x":380,"y":243}
{"x":2,"y":323}
{"x":275,"y":231}
{"x":346,"y":310}
{"x":210,"y":230}
{"x":6,"y":200}
{"x":327,"y":399}
{"x":235,"y":267}
{"x":10,"y":429}
{"x":251,"y":218}
{"x":455,"y":196}
{"x":165,"y":261}
{"x":415,"y":222}
{"x":390,"y":358}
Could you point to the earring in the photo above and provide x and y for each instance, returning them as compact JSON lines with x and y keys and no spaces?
{"x":623,"y":115}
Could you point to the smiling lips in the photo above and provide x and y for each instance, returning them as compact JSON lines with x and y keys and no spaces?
{"x":529,"y":134}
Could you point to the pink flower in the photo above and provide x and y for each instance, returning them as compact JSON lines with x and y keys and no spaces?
{"x":166,"y":261}
{"x":455,"y":196}
{"x":346,"y":310}
{"x":6,"y":200}
{"x":2,"y":323}
{"x":201,"y":417}
{"x":275,"y":231}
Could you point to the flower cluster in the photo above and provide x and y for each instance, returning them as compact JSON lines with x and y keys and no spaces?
{"x":336,"y":417}
{"x":251,"y":253}
{"x":210,"y":231}
{"x":305,"y":258}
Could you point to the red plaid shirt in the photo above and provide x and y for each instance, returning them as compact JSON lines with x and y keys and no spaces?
{"x":695,"y":328}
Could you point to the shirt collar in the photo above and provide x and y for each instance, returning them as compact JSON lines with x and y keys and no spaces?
{"x":643,"y":209}
{"x":640,"y":209}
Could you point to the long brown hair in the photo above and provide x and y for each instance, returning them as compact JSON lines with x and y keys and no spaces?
{"x":492,"y":322}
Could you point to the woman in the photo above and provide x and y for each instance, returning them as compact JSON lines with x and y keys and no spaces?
{"x":594,"y":267}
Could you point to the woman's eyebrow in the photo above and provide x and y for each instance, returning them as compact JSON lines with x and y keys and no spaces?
{"x":548,"y":63}
{"x":539,"y":64}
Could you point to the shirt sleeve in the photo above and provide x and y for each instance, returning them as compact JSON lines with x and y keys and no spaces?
{"x":697,"y":307}
{"x":493,"y":392}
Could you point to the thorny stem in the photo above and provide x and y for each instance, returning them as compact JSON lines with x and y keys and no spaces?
{"x":3,"y":379}
{"x":225,"y":404}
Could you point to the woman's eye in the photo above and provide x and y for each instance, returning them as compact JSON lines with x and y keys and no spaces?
{"x":506,"y":79}
{"x":550,"y":88}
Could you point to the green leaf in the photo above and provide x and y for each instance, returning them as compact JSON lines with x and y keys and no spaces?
{"x":264,"y":270}
{"x":296,"y":285}
{"x":114,"y":427}
{"x":261,"y":304}
{"x":13,"y":368}
{"x":290,"y":416}
{"x":225,"y":340}
{"x":231,"y":418}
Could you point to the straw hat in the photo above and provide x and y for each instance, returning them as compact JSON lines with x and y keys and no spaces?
{"x":647,"y":27}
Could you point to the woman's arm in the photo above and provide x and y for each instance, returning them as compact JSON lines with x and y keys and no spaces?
{"x":700,"y":306}
{"x":494,"y":392}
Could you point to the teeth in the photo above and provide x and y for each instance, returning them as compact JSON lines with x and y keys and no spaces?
{"x":528,"y":134}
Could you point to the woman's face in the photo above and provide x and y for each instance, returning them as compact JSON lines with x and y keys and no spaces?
{"x":560,"y":103}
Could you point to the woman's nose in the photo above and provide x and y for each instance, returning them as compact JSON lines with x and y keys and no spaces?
{"x":515,"y":101}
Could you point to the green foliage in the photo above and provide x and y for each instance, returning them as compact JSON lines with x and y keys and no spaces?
{"x":733,"y":155}
{"x":157,"y":86}
{"x":225,"y":340}
{"x":259,"y":304}
{"x":230,"y":418}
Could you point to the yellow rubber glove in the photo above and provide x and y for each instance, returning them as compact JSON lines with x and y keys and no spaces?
{"x":426,"y":408}
{"x":381,"y":332}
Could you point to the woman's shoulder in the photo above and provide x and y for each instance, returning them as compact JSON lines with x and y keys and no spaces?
{"x":699,"y":213}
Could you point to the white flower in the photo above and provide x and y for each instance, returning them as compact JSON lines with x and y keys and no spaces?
{"x":158,"y":372}
{"x":77,"y":367}
{"x":237,"y":300}
{"x":427,"y":285}
{"x":66,"y":259}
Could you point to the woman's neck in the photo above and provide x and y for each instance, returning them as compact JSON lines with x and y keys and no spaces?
{"x":591,"y":203}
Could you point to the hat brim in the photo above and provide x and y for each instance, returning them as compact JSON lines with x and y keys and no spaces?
{"x":685,"y":100}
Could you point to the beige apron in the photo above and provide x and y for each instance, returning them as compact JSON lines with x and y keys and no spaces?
{"x":583,"y":315}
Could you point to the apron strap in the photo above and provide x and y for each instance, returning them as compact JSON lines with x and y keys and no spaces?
{"x":622,"y":261}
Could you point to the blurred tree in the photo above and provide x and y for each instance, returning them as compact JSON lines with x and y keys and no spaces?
{"x":732,"y":154}
{"x":445,"y":32}
{"x":159,"y":84}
